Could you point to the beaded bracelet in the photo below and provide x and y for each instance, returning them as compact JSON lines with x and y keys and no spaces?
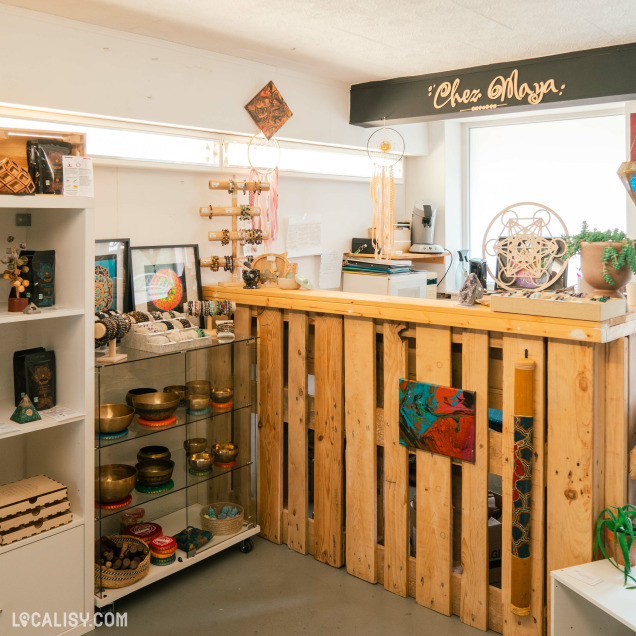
{"x":168,"y":324}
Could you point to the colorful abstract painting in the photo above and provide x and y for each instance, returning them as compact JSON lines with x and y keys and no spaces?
{"x":268,"y":110}
{"x":165,"y":285}
{"x":438,"y":419}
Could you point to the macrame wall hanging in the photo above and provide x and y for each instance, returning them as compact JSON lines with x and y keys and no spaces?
{"x":385,"y":149}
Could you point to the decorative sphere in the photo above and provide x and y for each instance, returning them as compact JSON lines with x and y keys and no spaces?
{"x":21,"y":288}
{"x":10,"y":239}
{"x":26,"y":283}
{"x":6,"y":276}
{"x":25,"y":269}
{"x":22,"y":246}
{"x":15,"y":283}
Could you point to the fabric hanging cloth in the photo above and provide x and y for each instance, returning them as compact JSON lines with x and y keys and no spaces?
{"x":382,"y":196}
{"x":268,"y":203}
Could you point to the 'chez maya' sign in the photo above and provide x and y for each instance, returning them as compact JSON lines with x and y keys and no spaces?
{"x":608,"y":73}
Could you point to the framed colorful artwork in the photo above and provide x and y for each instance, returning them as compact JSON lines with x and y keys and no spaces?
{"x":165,"y":276}
{"x":438,"y":419}
{"x":112,"y":275}
{"x":269,"y":110}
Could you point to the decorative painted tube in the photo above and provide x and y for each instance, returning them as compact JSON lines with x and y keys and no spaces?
{"x":521,"y":559}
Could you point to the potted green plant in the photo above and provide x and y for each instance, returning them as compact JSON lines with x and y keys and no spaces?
{"x":616,"y":538}
{"x":608,"y":258}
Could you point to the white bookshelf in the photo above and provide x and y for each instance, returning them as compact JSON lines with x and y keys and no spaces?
{"x":61,"y":450}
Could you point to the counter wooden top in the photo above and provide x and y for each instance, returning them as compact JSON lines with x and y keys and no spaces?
{"x":423,"y":311}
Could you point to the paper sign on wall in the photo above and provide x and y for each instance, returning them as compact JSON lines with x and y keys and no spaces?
{"x":330,"y":269}
{"x":304,"y":236}
{"x":78,"y":176}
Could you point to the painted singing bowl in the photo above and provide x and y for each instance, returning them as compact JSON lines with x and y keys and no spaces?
{"x":153,"y":452}
{"x":113,"y":418}
{"x":195,"y":445}
{"x":154,"y":472}
{"x":225,"y":453}
{"x":222,"y":395}
{"x":198,"y":402}
{"x":179,"y":389}
{"x":134,"y":392}
{"x":114,"y":482}
{"x":156,"y":406}
{"x":198,"y":387}
{"x":201,"y":462}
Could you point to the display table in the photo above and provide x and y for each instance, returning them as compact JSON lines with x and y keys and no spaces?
{"x":355,"y":348}
{"x":590,"y":600}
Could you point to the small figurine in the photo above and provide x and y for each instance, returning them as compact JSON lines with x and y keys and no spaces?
{"x":25,"y":412}
{"x":471,"y":290}
{"x":250,"y":276}
{"x":16,"y":266}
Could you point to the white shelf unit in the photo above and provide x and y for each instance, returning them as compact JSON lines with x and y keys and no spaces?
{"x":52,"y":571}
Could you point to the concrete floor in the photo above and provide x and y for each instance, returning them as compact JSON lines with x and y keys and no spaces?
{"x":273,"y":591}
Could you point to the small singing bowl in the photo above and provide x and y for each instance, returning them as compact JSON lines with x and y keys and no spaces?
{"x":222,"y":395}
{"x":201,"y":462}
{"x":195,"y":445}
{"x":154,"y":472}
{"x":287,"y":283}
{"x":114,"y":482}
{"x":179,"y":389}
{"x":156,"y":406}
{"x":225,"y":453}
{"x":153,"y":452}
{"x":198,"y":387}
{"x":198,"y":402}
{"x":113,"y":418}
{"x":133,"y":392}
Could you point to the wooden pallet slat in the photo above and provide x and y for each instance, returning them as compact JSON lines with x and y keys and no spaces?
{"x":396,"y":473}
{"x":270,"y":423}
{"x":474,"y":592}
{"x":514,"y":348}
{"x":433,"y":491}
{"x":329,"y":441}
{"x":361,"y":450}
{"x":297,"y":440}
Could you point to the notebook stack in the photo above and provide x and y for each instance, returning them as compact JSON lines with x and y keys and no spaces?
{"x":375,"y":266}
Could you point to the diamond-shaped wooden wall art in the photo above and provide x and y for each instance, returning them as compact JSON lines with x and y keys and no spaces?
{"x":268,"y":110}
{"x":627,"y":174}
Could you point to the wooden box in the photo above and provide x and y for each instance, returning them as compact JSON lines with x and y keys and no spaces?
{"x":33,"y":516}
{"x":29,"y":494}
{"x":35,"y":527}
{"x":584,"y":310}
{"x":13,"y":143}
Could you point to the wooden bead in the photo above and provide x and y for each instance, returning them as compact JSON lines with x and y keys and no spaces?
{"x":26,"y":283}
{"x":21,"y":288}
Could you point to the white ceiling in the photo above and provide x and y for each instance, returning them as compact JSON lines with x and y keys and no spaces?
{"x":362,"y":40}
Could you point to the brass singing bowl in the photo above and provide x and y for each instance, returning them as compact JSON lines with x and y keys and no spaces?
{"x":156,"y":406}
{"x":198,"y":387}
{"x":134,"y":392}
{"x":198,"y":402}
{"x":195,"y":445}
{"x":222,"y":395}
{"x":113,"y":418}
{"x":225,"y":453}
{"x":153,"y":452}
{"x":114,"y":482}
{"x":154,"y":472}
{"x":201,"y":462}
{"x":179,"y":389}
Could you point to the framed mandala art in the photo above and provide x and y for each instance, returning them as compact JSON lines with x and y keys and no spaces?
{"x":112,"y":275}
{"x":165,"y":276}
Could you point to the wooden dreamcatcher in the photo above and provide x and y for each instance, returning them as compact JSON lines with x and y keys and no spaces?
{"x":385,"y":148}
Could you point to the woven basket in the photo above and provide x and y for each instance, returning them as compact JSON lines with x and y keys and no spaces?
{"x":109,"y":578}
{"x":222,"y":526}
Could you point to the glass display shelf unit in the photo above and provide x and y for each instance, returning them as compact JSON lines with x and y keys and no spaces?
{"x":177,"y":504}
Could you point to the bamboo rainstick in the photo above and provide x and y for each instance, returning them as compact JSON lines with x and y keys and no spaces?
{"x":521,"y":558}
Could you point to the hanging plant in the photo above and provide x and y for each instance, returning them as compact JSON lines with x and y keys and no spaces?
{"x":619,"y":526}
{"x":611,"y":257}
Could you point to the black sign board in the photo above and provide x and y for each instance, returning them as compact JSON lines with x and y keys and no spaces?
{"x":607,"y":74}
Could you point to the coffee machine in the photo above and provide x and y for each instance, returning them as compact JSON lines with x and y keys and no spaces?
{"x":423,"y":229}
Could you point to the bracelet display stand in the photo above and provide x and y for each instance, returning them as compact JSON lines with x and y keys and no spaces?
{"x":235,"y":211}
{"x":112,"y":356}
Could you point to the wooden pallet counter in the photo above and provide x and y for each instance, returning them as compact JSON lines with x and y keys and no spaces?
{"x":334,"y":482}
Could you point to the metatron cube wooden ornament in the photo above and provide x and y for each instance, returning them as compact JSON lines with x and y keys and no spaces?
{"x":268,"y":110}
{"x":627,"y":174}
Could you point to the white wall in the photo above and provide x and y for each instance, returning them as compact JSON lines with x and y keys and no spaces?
{"x":160,"y":207}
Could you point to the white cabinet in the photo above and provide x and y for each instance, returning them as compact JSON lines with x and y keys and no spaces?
{"x":44,"y":581}
{"x":52,"y":571}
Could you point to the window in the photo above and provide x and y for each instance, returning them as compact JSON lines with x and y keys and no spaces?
{"x":568,"y":165}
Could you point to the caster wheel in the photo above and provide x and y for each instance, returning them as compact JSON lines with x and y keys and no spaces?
{"x":246,"y":546}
